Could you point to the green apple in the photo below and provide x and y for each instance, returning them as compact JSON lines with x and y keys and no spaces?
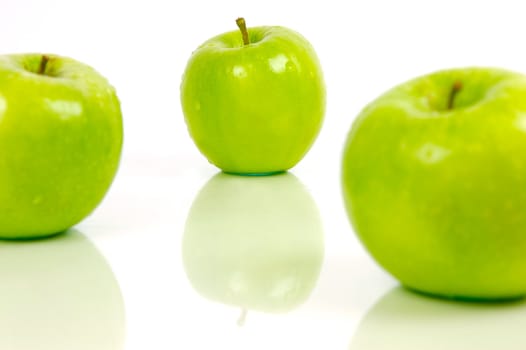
{"x":254,"y":242}
{"x":254,"y":99}
{"x":60,"y":143}
{"x":59,"y":294}
{"x":434,"y":182}
{"x":403,"y":320}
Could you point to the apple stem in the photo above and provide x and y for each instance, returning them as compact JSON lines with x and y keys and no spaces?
{"x":242,"y":318}
{"x":457,"y":86}
{"x":43,"y":64}
{"x":243,"y":28}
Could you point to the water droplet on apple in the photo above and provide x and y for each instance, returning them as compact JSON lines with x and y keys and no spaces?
{"x":239,"y":72}
{"x":430,"y":153}
{"x":520,"y":123}
{"x":64,"y":108}
{"x":278,"y":64}
{"x":37,"y":200}
{"x":3,"y":107}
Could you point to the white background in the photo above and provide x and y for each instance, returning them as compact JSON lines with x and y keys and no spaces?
{"x":365,"y":47}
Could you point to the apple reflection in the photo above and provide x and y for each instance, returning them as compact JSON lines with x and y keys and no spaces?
{"x":254,"y":242}
{"x":405,"y":320}
{"x":58,"y":294}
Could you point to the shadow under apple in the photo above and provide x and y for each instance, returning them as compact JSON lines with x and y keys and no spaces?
{"x":254,"y":242}
{"x":58,"y":293}
{"x":406,"y":320}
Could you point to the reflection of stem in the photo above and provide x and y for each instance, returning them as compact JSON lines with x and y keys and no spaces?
{"x":242,"y":318}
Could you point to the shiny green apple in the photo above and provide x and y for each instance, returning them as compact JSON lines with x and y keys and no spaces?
{"x":434,"y":181}
{"x":60,"y":143}
{"x":254,"y":104}
{"x":254,"y":242}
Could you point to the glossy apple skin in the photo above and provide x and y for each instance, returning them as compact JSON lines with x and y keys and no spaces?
{"x":254,"y":242}
{"x":257,"y":108}
{"x":437,"y":196}
{"x":60,"y":143}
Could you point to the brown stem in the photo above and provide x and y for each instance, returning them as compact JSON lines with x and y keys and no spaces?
{"x":243,"y":28}
{"x":457,"y":86}
{"x":43,"y":64}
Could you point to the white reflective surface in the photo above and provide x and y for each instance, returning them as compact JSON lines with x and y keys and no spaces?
{"x":404,"y":320}
{"x":169,"y":259}
{"x":59,"y":294}
{"x":208,"y":260}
